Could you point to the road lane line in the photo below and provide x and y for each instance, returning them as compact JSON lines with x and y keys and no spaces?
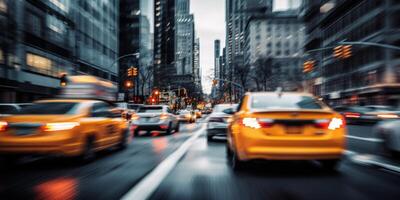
{"x":145,"y":188}
{"x":368,"y":159}
{"x":364,"y":139}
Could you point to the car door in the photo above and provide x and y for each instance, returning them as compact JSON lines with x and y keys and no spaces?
{"x":172,"y":117}
{"x":106,"y":130}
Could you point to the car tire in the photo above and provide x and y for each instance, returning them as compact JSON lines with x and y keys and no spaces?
{"x":123,"y":143}
{"x":136,"y":133}
{"x":235,"y":163}
{"x":209,"y":138}
{"x":330,"y":165}
{"x":177,"y":127}
{"x":88,"y":154}
{"x":169,"y":130}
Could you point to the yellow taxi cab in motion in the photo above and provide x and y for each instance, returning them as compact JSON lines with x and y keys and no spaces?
{"x":285,"y":126}
{"x":67,"y":127}
{"x":82,"y":121}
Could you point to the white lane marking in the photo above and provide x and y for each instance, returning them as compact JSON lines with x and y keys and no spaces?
{"x":145,"y":188}
{"x":349,"y":153}
{"x":364,"y":139}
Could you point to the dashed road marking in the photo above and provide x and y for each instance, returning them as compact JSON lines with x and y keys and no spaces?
{"x":364,"y":139}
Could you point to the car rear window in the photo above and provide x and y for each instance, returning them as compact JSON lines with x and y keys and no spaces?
{"x":50,"y":108}
{"x":8,"y":109}
{"x":284,"y":102}
{"x":221,"y":108}
{"x":150,"y":110}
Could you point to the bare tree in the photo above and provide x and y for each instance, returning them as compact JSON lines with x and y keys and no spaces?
{"x":146,"y":78}
{"x":242,"y":74}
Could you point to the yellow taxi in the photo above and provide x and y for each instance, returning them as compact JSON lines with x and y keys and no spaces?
{"x":67,"y":127}
{"x":285,"y":126}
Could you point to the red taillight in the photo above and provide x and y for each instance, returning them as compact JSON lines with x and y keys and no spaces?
{"x":60,"y":126}
{"x":352,"y":115}
{"x":257,"y":123}
{"x":331,"y":124}
{"x":3,"y":126}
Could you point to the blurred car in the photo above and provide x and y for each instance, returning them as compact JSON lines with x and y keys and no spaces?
{"x":134,"y":107}
{"x":123,"y":109}
{"x":7,"y":109}
{"x":218,"y":120}
{"x":285,"y":126}
{"x":198,"y":114}
{"x":389,"y":132}
{"x":67,"y":127}
{"x":154,"y":118}
{"x":187,"y":116}
{"x":366,"y":114}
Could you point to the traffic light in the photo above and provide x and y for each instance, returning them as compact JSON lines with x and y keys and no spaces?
{"x":63,"y":80}
{"x":308,"y":66}
{"x":132,"y":71}
{"x":338,"y":51}
{"x":128,"y":84}
{"x":215,"y":82}
{"x":346,"y":51}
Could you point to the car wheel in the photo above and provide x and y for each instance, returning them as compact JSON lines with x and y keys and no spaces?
{"x":209,"y":138}
{"x":177,"y":127}
{"x":136,"y":133}
{"x":88,"y":153}
{"x":169,"y":130}
{"x":329,"y":165}
{"x":235,"y":163}
{"x":123,"y":143}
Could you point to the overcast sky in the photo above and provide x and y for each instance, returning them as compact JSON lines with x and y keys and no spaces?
{"x":210,"y":25}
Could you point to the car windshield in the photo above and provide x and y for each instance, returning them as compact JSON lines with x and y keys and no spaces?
{"x":50,"y":108}
{"x":150,"y":110}
{"x":284,"y":102}
{"x":221,"y":108}
{"x":8,"y":109}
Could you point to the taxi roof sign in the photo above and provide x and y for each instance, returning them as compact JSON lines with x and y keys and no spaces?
{"x":89,"y":87}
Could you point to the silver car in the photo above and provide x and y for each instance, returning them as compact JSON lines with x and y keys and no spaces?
{"x":154,"y":118}
{"x":218,"y":120}
{"x":389,"y":133}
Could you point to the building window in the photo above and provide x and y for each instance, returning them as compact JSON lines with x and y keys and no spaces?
{"x":3,"y":6}
{"x":1,"y":57}
{"x":61,"y":4}
{"x":34,"y":24}
{"x":39,"y":63}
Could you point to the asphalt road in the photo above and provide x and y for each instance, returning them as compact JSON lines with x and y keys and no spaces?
{"x":202,"y":173}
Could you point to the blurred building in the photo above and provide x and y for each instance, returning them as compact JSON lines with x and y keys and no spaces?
{"x":237,"y":14}
{"x":96,"y":24}
{"x":164,"y":42}
{"x":47,"y":38}
{"x":197,"y":68}
{"x":217,"y":54}
{"x":135,"y":37}
{"x":174,"y":41}
{"x":372,"y":74}
{"x":37,"y":44}
{"x":275,"y":41}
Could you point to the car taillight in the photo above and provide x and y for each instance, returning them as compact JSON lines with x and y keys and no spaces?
{"x":3,"y":126}
{"x":331,"y":124}
{"x":257,"y":123}
{"x":60,"y":126}
{"x":216,"y":119}
{"x":135,"y":117}
{"x":163,"y":116}
{"x":352,"y":115}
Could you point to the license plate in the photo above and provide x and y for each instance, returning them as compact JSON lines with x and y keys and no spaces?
{"x":22,"y":132}
{"x":294,"y":130}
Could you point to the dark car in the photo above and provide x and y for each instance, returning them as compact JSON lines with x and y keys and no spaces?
{"x":365,"y":114}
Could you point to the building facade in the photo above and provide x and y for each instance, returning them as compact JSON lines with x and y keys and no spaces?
{"x":275,"y":41}
{"x":48,"y":38}
{"x":136,"y":36}
{"x":371,"y":74}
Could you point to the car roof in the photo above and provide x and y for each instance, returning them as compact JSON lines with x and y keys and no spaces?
{"x":277,"y":93}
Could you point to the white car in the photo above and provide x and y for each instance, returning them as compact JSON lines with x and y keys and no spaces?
{"x":218,"y":120}
{"x":389,"y":132}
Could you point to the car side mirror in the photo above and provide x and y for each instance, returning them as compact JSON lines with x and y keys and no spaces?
{"x":229,"y":111}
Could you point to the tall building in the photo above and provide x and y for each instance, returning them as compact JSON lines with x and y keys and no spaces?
{"x":135,"y":36}
{"x":164,"y":42}
{"x":197,"y":68}
{"x":36,"y":45}
{"x":275,"y":41}
{"x":371,"y":74}
{"x":217,"y":54}
{"x":237,"y":14}
{"x":97,"y":28}
{"x":47,"y":38}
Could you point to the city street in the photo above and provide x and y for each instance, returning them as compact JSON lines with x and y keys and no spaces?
{"x":201,"y":173}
